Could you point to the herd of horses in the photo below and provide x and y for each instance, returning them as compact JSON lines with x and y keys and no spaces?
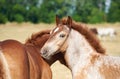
{"x":102,"y":33}
{"x":70,"y":42}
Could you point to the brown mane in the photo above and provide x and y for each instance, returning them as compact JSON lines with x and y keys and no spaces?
{"x":92,"y":39}
{"x":40,"y":37}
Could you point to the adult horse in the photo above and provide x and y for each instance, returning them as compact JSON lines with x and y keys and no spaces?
{"x":38,"y":40}
{"x":104,"y":32}
{"x":23,"y":61}
{"x":77,"y":43}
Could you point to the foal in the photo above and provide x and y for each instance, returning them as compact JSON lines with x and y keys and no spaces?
{"x":77,"y":43}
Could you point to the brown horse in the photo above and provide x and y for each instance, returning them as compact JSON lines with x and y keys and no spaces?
{"x":23,"y":61}
{"x":38,"y":39}
{"x":79,"y":45}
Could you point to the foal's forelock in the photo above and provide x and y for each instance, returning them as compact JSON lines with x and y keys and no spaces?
{"x":59,"y":28}
{"x":55,"y":30}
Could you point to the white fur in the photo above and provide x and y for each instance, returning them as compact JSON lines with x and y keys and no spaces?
{"x":77,"y":43}
{"x":5,"y":70}
{"x":78,"y":56}
{"x":103,"y":32}
{"x":56,"y":29}
{"x":82,"y":59}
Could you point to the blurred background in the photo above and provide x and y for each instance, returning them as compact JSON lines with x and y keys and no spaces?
{"x":88,"y":11}
{"x":19,"y":19}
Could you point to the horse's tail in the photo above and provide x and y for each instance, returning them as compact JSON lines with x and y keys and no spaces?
{"x":4,"y":69}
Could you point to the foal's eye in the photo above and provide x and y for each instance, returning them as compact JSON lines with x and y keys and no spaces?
{"x":62,"y":35}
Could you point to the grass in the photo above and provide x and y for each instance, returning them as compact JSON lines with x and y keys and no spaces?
{"x":22,"y":31}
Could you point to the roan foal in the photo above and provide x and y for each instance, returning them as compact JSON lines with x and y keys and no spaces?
{"x":77,"y":41}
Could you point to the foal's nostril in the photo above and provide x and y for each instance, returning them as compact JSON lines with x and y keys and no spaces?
{"x":44,"y":51}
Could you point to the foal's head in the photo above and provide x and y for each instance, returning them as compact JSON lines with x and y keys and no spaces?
{"x":58,"y":37}
{"x":38,"y":40}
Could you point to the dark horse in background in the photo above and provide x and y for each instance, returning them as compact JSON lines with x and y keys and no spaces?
{"x":23,"y":61}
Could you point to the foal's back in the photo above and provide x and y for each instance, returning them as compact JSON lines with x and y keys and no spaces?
{"x":109,"y":66}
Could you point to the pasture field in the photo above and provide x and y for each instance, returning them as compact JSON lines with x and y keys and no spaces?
{"x":23,"y":31}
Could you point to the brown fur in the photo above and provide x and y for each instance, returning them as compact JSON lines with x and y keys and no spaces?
{"x":24,"y":60}
{"x":92,"y":39}
{"x":16,"y":58}
{"x":94,"y":30}
{"x":38,"y":40}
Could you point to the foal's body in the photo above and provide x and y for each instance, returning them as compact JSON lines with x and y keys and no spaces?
{"x":82,"y":51}
{"x":86,"y":63}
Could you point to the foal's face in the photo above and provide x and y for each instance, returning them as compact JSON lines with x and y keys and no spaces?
{"x":55,"y":43}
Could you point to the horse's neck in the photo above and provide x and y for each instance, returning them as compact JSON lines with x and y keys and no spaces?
{"x":78,"y":50}
{"x":38,"y":48}
{"x":54,"y":58}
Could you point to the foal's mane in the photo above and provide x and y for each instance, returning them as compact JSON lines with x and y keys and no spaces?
{"x":88,"y":34}
{"x":38,"y":38}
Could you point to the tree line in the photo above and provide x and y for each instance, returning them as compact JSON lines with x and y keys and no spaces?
{"x":35,"y":11}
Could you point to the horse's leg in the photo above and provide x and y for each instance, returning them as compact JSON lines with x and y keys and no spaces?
{"x":112,"y":37}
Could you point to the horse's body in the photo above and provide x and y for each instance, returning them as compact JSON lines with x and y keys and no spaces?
{"x":12,"y":58}
{"x":18,"y":61}
{"x":23,"y":61}
{"x":104,"y":32}
{"x":78,"y":44}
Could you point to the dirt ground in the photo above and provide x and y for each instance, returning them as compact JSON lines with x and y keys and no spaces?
{"x":22,"y":31}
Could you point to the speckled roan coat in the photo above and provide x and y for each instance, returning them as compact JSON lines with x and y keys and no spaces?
{"x":83,"y":53}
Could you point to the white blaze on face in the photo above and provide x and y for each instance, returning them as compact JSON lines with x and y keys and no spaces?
{"x":56,"y":29}
{"x":53,"y":31}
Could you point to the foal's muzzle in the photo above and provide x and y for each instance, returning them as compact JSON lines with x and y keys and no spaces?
{"x":44,"y":53}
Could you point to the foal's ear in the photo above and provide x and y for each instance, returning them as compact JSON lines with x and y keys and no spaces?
{"x":69,"y":21}
{"x":57,"y":20}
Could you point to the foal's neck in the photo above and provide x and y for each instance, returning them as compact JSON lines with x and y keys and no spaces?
{"x":78,"y":50}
